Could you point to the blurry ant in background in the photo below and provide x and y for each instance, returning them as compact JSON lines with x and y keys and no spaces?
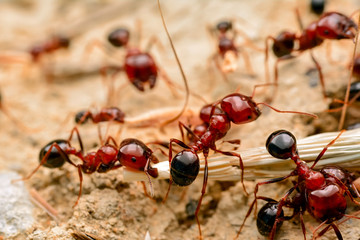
{"x":139,"y":65}
{"x":317,"y":6}
{"x":322,"y":193}
{"x":331,"y":25}
{"x":131,"y":153}
{"x":228,"y":51}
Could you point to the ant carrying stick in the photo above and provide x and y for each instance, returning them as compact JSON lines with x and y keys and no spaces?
{"x":331,"y":25}
{"x":131,"y":153}
{"x":185,"y":165}
{"x":227,"y":54}
{"x":322,"y":193}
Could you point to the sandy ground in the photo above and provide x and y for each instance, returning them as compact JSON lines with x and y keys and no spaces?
{"x":109,"y":207}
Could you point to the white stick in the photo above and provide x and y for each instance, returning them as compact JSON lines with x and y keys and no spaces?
{"x":345,"y":152}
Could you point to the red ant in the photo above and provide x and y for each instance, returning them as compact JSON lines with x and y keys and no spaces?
{"x":322,"y":193}
{"x":104,"y":115}
{"x":184,"y":166}
{"x":131,"y":153}
{"x":49,"y":46}
{"x":227,"y":52}
{"x":331,"y":25}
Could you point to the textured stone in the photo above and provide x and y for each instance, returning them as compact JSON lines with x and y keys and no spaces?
{"x":16,"y":207}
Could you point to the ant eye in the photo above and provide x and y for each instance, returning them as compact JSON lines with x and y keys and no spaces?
{"x":133,"y":159}
{"x":281,"y":144}
{"x":249,"y":117}
{"x":326,"y":32}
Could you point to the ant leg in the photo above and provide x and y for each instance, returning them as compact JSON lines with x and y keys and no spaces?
{"x":103,"y":72}
{"x":43,"y":160}
{"x":35,"y":196}
{"x":266,"y":61}
{"x":321,"y":76}
{"x":181,"y":126}
{"x":279,"y":210}
{"x":75,"y":129}
{"x":247,"y":62}
{"x":168,"y":82}
{"x":206,"y":170}
{"x":241,"y":164}
{"x":110,"y":138}
{"x":80,"y":187}
{"x":325,"y":149}
{"x":250,"y":210}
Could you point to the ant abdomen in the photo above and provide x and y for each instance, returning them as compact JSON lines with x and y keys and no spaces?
{"x":140,"y":69}
{"x":317,"y":6}
{"x":284,"y":44}
{"x":80,"y":119}
{"x":55,"y":158}
{"x":185,"y":167}
{"x":281,"y":144}
{"x":119,"y":37}
{"x":266,"y":218}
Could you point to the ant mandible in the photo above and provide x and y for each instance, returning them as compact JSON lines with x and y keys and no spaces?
{"x":131,"y":153}
{"x":331,"y":25}
{"x":322,"y":193}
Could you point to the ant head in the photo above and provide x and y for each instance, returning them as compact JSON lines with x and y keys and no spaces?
{"x":185,"y":167}
{"x":82,"y":117}
{"x":224,"y":26}
{"x":266,"y":218}
{"x":55,"y":158}
{"x":119,"y":37}
{"x":281,"y":144}
{"x":240,"y":108}
{"x":283,"y":44}
{"x":335,"y":25}
{"x":205,"y":112}
{"x":133,"y":154}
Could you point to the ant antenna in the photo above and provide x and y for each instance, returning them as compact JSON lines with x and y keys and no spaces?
{"x":181,"y":70}
{"x":281,"y":111}
{"x":347,"y":94}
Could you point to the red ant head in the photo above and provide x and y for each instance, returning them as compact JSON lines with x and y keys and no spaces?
{"x":205,"y":112}
{"x":224,"y":26}
{"x":133,"y":154}
{"x":55,"y":159}
{"x":240,"y":108}
{"x":185,"y":167}
{"x":105,"y":158}
{"x":335,"y":25}
{"x":284,"y":44}
{"x":119,"y":37}
{"x":281,"y":144}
